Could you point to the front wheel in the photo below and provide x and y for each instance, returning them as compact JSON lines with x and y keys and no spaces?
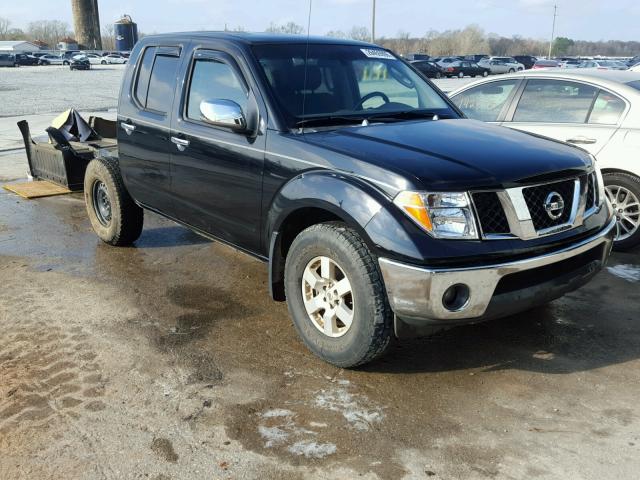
{"x":114,"y":216}
{"x":65,"y":63}
{"x":438,"y":75}
{"x":511,"y":70}
{"x":103,"y":62}
{"x":461,"y":75}
{"x":623,"y":191}
{"x":336,"y":296}
{"x":485,"y":73}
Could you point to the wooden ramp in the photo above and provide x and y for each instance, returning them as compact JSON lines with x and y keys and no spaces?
{"x":36,"y":189}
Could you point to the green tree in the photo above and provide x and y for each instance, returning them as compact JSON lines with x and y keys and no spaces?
{"x":561,"y":45}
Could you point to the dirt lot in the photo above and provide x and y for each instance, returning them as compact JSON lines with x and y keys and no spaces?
{"x":168,"y":361}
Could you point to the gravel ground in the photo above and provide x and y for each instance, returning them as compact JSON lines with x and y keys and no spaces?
{"x":33,"y":90}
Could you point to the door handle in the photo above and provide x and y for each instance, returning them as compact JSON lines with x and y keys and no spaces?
{"x":181,"y":143}
{"x":127,"y":127}
{"x":582,"y":140}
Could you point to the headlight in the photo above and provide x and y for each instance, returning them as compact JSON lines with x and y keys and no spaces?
{"x":441,"y":215}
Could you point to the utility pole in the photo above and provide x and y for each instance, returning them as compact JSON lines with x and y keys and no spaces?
{"x":373,"y":23}
{"x":553,"y":29}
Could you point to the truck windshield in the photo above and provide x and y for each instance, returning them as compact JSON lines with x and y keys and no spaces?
{"x":345,"y":84}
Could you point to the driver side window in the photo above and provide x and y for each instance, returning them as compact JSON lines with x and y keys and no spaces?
{"x":374,"y":76}
{"x":485,"y":102}
{"x":210,"y":80}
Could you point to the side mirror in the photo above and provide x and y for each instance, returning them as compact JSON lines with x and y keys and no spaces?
{"x":223,"y":113}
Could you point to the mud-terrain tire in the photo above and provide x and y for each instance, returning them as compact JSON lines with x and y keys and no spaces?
{"x":114,"y":216}
{"x":629,"y":197}
{"x":370,"y":330}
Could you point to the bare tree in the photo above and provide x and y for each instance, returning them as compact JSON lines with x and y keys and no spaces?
{"x":360,"y":33}
{"x":5,"y":27}
{"x":108,"y":37}
{"x":289,"y":27}
{"x":48,"y":31}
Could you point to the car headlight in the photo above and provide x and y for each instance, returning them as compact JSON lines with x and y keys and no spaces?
{"x":441,"y":215}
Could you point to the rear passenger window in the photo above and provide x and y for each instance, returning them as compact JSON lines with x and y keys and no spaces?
{"x":214,"y":80}
{"x":144,"y":73}
{"x":555,"y":101}
{"x":606,"y":109}
{"x":162,"y":83}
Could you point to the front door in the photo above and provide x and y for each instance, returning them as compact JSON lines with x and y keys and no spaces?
{"x":217,"y":173}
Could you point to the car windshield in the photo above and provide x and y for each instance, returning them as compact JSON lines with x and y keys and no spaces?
{"x":345,"y":84}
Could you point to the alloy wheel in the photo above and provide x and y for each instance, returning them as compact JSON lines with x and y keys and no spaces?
{"x":626,"y":207}
{"x":328,"y":296}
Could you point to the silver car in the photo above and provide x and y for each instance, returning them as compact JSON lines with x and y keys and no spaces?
{"x":596,"y":110}
{"x":501,"y":64}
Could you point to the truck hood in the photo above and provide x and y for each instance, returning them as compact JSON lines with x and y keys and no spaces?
{"x":452,"y":154}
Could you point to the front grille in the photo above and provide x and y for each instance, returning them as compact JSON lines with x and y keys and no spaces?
{"x":591,"y":191}
{"x":535,"y":197}
{"x":490,"y":213}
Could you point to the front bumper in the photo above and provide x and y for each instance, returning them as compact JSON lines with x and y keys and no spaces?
{"x":416,"y":293}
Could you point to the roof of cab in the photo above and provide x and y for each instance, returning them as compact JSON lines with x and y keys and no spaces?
{"x":264,"y":38}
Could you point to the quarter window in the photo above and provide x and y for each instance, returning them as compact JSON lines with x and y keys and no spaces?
{"x":606,"y":109}
{"x":214,"y":80}
{"x":485,"y":102}
{"x":555,"y":101}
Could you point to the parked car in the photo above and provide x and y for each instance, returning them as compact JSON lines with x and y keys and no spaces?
{"x":93,"y":58}
{"x":445,"y":61}
{"x":599,"y":111}
{"x":8,"y":60}
{"x":501,"y":65}
{"x":545,"y":64}
{"x":570,"y":63}
{"x":474,"y":58}
{"x":27,"y":60}
{"x":428,"y":68}
{"x":80,"y":62}
{"x":112,"y":59}
{"x":603,"y":65}
{"x":379,"y":208}
{"x":633,"y":61}
{"x":465,"y":68}
{"x":527,"y":60}
{"x":635,"y":68}
{"x":49,"y":59}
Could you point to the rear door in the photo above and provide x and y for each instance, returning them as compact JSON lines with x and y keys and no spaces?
{"x":489,"y":101}
{"x":574,"y":112}
{"x":144,"y":122}
{"x":217,"y":173}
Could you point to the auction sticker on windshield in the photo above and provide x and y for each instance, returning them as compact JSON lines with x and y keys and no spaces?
{"x":377,"y":53}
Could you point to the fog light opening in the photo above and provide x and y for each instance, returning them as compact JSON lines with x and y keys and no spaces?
{"x":456,"y":297}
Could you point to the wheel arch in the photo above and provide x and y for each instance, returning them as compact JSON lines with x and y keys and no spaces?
{"x":310,"y":199}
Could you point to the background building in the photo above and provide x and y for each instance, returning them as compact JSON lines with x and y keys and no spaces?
{"x":18,"y":46}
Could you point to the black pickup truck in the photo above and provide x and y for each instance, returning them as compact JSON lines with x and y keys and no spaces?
{"x":380,"y":209}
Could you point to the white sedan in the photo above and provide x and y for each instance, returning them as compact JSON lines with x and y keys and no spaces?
{"x":112,"y":59}
{"x":501,"y":64}
{"x":92,"y":57}
{"x":597,"y":110}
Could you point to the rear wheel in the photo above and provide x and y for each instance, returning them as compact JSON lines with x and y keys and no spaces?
{"x":65,"y":63}
{"x":438,"y":75}
{"x":623,"y":191}
{"x":511,"y":70}
{"x":485,"y":73}
{"x":114,"y":216}
{"x":461,"y":75}
{"x":103,"y":62}
{"x":336,"y":296}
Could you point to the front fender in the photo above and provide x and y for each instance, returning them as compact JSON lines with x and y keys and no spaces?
{"x":314,"y":197}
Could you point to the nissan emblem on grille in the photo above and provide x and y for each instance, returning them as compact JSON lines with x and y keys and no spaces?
{"x":554,"y":205}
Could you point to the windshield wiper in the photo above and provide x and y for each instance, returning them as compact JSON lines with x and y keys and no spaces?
{"x":402,"y":115}
{"x":330,"y":120}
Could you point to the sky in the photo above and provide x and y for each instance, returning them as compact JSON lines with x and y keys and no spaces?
{"x":577,"y":19}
